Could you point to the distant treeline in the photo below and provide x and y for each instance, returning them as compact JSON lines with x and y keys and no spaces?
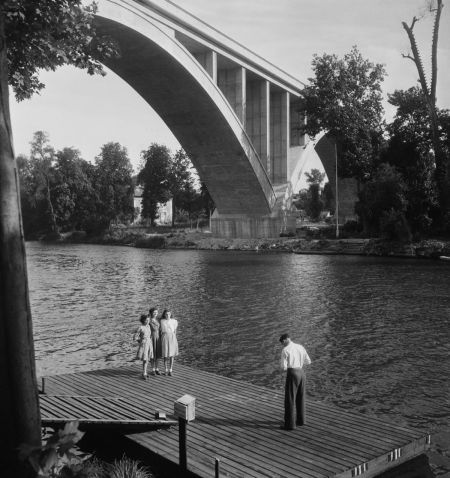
{"x":60,"y":191}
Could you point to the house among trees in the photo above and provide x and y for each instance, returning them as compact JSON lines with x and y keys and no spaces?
{"x":164,"y":214}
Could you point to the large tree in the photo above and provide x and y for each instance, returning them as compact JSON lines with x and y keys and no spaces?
{"x":442,"y":159}
{"x":42,"y":157}
{"x":34,"y":35}
{"x":114,"y":184}
{"x":408,"y":149}
{"x":74,"y":194}
{"x":180,"y":180}
{"x":154,"y":177}
{"x":344,"y":99}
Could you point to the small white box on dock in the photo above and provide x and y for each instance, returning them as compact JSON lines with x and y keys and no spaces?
{"x":160,"y":415}
{"x":184,"y":408}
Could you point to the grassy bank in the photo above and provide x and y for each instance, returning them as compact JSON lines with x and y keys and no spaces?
{"x":191,"y":239}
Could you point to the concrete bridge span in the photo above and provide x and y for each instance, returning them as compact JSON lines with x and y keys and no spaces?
{"x":237,"y":116}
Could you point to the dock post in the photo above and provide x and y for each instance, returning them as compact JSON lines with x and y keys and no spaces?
{"x":217,"y":473}
{"x":182,"y":431}
{"x":43,"y":385}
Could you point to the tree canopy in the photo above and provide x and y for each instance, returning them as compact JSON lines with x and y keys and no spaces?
{"x":47,"y":34}
{"x":344,"y":99}
{"x":154,"y":176}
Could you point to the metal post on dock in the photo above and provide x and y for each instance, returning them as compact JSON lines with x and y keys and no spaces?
{"x":182,"y":430}
{"x":184,"y":409}
{"x":217,"y":469}
{"x":43,"y":385}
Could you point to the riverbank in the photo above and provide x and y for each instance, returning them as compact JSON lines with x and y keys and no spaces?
{"x":189,"y":239}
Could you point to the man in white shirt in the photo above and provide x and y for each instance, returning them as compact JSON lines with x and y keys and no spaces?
{"x":293,"y":358}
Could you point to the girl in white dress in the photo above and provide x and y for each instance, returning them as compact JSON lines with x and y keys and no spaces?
{"x":143,"y":336}
{"x":169,"y":343}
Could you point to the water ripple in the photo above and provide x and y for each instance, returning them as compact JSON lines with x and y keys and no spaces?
{"x":377,"y":329}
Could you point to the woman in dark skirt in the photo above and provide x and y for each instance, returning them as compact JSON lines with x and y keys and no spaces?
{"x":156,"y":339}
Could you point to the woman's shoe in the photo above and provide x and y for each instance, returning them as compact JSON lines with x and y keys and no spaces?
{"x":170,"y":373}
{"x":144,"y":377}
{"x":157,"y":372}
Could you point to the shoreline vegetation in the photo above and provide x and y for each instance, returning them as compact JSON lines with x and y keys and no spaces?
{"x":303,"y":243}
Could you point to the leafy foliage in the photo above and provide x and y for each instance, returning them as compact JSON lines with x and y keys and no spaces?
{"x":74,"y":192}
{"x":314,"y":205}
{"x":315,"y":177}
{"x":206,"y":201}
{"x":344,"y":98}
{"x":50,"y":33}
{"x":163,"y":177}
{"x":62,"y":191}
{"x":154,"y":176}
{"x":57,"y":454}
{"x":60,"y":457}
{"x":383,"y":204}
{"x":180,"y":180}
{"x":114,"y":184}
{"x":409,"y":150}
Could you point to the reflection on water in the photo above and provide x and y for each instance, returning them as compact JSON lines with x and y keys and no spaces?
{"x":376,"y":329}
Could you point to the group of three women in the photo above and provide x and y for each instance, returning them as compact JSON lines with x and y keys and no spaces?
{"x":157,"y":339}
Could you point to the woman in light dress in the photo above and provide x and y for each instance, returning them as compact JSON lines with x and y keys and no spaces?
{"x":169,"y":343}
{"x":143,"y":336}
{"x":156,"y":339}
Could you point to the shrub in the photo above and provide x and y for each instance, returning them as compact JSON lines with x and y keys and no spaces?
{"x":126,"y":468}
{"x":352,"y":227}
{"x":152,"y":242}
{"x":393,"y":226}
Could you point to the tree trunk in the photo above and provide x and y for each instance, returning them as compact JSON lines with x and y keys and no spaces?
{"x":51,"y":210}
{"x":19,"y":406}
{"x":173,"y":211}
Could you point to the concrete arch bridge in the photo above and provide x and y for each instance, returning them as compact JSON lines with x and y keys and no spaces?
{"x":236,"y":115}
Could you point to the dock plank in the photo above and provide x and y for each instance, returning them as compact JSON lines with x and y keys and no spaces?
{"x":238,"y":423}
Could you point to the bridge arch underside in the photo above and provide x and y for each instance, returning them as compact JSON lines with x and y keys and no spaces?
{"x":347,"y":188}
{"x":192,"y":107}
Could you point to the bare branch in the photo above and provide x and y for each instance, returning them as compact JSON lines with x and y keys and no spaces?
{"x":408,"y":56}
{"x":417,"y":60}
{"x":434,"y":67}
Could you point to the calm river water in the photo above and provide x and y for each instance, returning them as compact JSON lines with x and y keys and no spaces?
{"x":376,"y":329}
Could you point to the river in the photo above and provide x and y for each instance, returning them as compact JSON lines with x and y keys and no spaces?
{"x":377,"y":329}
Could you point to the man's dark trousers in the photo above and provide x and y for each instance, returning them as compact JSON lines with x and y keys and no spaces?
{"x":294,"y":398}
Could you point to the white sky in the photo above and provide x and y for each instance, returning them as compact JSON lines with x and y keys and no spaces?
{"x":85,"y":112}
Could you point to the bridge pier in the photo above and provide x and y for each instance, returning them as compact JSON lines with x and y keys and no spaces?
{"x":250,"y":227}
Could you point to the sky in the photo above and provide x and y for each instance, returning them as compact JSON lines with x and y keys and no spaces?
{"x":85,"y":112}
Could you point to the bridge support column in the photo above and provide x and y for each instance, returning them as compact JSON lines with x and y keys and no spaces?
{"x":208,"y":60}
{"x":258,"y":119}
{"x":232,"y":83}
{"x":280,"y":136}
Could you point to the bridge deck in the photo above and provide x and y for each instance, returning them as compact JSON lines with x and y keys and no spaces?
{"x":239,"y":423}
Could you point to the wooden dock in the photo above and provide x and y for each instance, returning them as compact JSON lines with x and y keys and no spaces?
{"x":238,"y":423}
{"x":98,"y":412}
